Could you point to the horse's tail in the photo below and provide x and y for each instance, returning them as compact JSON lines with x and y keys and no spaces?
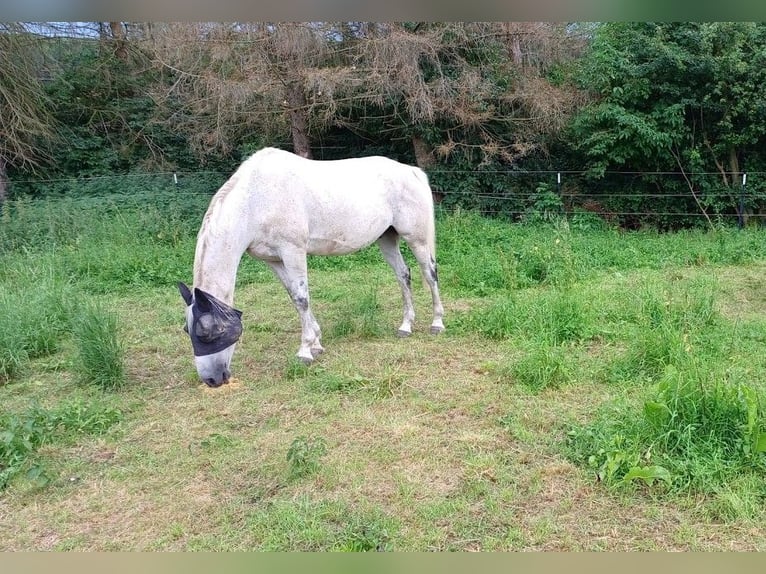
{"x":430,"y":218}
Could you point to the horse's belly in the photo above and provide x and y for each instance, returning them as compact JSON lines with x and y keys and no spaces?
{"x":338,"y":245}
{"x":344,"y":236}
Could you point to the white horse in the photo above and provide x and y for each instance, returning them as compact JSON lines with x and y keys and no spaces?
{"x":279,"y":207}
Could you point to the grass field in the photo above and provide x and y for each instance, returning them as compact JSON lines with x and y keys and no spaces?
{"x":594,"y":390}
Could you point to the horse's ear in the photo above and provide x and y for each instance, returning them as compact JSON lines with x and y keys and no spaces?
{"x":185,"y":293}
{"x":202,"y":301}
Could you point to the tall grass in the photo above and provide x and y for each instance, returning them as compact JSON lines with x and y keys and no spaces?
{"x":35,"y":310}
{"x":100,"y":354}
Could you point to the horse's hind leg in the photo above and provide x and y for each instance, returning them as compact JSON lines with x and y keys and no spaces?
{"x":293,"y":274}
{"x":389,"y":246}
{"x":427,"y":265}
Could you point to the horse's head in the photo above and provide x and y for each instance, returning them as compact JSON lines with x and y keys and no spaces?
{"x":214,"y":328}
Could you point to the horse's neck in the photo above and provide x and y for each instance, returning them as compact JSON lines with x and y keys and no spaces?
{"x":216,"y":260}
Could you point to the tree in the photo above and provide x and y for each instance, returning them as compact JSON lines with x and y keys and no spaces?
{"x":479,"y":89}
{"x":225,"y":83}
{"x":27,"y":126}
{"x":443,"y":87}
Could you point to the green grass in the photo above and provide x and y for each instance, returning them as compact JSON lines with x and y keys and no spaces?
{"x":698,"y":430}
{"x":22,"y":434}
{"x":594,"y":390}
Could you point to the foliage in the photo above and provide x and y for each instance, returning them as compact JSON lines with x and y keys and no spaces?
{"x":26,"y":121}
{"x":675,"y":97}
{"x":455,"y":97}
{"x":106,"y":108}
{"x":491,"y":110}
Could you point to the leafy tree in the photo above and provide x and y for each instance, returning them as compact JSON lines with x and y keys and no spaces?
{"x":682,"y":97}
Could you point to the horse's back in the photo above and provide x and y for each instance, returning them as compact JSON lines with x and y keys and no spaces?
{"x":376,"y":182}
{"x":335,"y":206}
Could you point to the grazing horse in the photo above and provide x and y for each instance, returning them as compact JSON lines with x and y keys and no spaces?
{"x":279,"y":207}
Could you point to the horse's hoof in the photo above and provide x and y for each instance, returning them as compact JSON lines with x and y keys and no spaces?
{"x":306,"y":360}
{"x":436,"y":330}
{"x":402,"y":334}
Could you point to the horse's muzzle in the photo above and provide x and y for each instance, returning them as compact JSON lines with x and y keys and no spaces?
{"x":215,"y":383}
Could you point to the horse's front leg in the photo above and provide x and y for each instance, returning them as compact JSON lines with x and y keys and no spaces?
{"x":293,"y":274}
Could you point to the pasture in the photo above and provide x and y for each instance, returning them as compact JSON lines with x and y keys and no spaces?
{"x":594,"y":390}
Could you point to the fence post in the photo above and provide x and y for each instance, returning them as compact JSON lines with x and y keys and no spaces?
{"x":558,"y":190}
{"x":741,"y":210}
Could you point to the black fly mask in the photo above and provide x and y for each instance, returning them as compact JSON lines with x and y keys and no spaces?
{"x":214,"y":325}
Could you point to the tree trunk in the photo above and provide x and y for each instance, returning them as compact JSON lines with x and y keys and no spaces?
{"x":299,"y":125}
{"x":513,"y":40}
{"x":119,"y":37}
{"x":424,"y":156}
{"x":3,"y":180}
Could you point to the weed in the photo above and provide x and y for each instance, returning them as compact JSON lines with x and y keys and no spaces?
{"x":672,"y":323}
{"x":361,"y":316}
{"x":296,"y":369}
{"x":304,"y":454}
{"x":551,"y":261}
{"x":363,"y":535}
{"x":562,"y":316}
{"x":13,"y":357}
{"x":304,"y":524}
{"x":556,"y":316}
{"x":20,"y":436}
{"x":34,"y":317}
{"x":325,"y":381}
{"x":78,"y":417}
{"x":499,"y":320}
{"x":387,"y":385}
